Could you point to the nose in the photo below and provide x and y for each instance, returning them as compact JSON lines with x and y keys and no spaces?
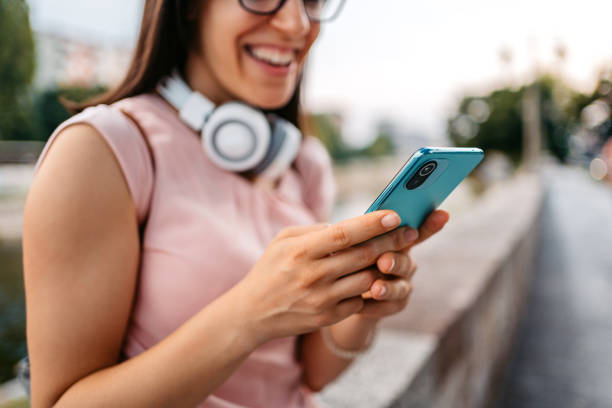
{"x":292,"y":19}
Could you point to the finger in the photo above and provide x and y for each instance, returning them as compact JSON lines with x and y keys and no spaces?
{"x":396,"y":264}
{"x":382,"y":308}
{"x":364,"y":255}
{"x":353,"y":285}
{"x":432,"y":224}
{"x":366,"y":295}
{"x":407,"y":272}
{"x":391,"y":289}
{"x":296,"y":230}
{"x":347,"y":307}
{"x":350,"y":232}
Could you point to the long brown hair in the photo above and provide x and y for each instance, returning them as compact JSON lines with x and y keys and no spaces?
{"x":167,"y":32}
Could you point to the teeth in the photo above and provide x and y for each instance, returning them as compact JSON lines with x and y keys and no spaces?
{"x":272,"y":55}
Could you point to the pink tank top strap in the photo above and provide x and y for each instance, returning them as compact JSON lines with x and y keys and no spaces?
{"x":128,"y":146}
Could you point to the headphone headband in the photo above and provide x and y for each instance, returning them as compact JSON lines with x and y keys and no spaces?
{"x":193,"y":107}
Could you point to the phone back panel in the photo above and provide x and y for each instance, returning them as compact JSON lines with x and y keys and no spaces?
{"x":453,"y":165}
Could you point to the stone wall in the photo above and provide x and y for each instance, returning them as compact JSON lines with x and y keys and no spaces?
{"x":449,"y":347}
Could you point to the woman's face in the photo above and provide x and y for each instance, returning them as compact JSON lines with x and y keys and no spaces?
{"x":248,"y":57}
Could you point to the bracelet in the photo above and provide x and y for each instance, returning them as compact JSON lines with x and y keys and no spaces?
{"x":341,"y":352}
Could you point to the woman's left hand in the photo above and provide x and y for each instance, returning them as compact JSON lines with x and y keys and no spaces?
{"x":390,"y":293}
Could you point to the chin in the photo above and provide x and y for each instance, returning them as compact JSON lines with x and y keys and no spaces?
{"x":269,"y":100}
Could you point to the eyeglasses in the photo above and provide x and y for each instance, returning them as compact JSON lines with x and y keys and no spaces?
{"x":316,"y":10}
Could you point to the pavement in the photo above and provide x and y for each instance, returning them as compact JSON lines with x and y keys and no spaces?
{"x":563,"y":355}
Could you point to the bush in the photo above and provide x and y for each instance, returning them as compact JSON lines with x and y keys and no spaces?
{"x":49,"y":111}
{"x":16,"y":69}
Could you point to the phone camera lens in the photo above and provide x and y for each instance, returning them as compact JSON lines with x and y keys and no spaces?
{"x":421,"y":175}
{"x":427,"y":168}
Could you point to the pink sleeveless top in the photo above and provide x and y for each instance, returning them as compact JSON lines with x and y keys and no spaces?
{"x":206,"y":229}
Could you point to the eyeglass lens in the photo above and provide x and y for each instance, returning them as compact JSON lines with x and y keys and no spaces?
{"x":317,"y":10}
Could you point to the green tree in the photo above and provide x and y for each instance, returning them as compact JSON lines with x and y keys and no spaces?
{"x":49,"y":110}
{"x":326,"y":127}
{"x":494,"y":121}
{"x":600,"y":100}
{"x":16,"y":69}
{"x":381,"y":146}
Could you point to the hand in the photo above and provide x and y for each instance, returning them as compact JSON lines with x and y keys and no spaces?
{"x":297,"y":286}
{"x":391,"y":292}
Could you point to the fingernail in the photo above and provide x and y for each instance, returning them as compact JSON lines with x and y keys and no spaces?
{"x":382,"y":291}
{"x":411,"y":234}
{"x":392,"y":265}
{"x":390,"y":220}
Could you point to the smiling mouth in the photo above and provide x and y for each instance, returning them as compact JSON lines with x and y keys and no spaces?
{"x":270,"y":55}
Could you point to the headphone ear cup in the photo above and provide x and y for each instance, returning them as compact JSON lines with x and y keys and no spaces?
{"x":284,"y":147}
{"x":236,"y":137}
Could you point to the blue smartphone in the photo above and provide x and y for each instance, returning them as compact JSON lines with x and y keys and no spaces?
{"x":425,"y":180}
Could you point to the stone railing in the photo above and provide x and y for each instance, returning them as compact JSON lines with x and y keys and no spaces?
{"x":449,"y":347}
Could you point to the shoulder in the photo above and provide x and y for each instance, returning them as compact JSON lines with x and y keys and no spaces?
{"x":77,"y":163}
{"x":106,"y":138}
{"x":79,"y":195}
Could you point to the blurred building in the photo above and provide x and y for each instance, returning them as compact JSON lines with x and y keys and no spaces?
{"x":63,"y":60}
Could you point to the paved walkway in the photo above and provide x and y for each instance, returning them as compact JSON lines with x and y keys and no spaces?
{"x":564,"y":350}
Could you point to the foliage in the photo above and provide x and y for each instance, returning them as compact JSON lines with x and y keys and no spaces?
{"x":494,"y":121}
{"x":498,"y":127}
{"x":381,"y":146}
{"x":327,"y":128}
{"x":47,"y":111}
{"x":16,"y":68}
{"x":26,"y":114}
{"x":601,"y":100}
{"x":12,"y":310}
{"x":50,"y":110}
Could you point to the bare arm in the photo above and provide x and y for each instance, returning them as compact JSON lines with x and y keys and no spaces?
{"x":81,"y":256}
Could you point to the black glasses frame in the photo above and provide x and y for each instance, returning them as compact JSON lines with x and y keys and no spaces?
{"x":281,"y":3}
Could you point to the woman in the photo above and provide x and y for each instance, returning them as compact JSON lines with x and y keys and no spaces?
{"x":233,"y":295}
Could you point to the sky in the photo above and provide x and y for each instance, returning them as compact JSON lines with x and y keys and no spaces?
{"x":408,"y":61}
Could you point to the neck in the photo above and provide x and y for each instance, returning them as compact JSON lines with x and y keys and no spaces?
{"x":199,"y":77}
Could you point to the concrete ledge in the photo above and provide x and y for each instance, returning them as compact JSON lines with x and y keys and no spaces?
{"x":450,"y":345}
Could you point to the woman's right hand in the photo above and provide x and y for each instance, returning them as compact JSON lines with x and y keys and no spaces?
{"x":313,"y":276}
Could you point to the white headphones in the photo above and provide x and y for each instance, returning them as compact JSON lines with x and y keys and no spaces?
{"x":235,"y":136}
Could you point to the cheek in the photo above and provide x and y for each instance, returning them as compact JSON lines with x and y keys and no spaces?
{"x":221,"y":25}
{"x":219,"y":48}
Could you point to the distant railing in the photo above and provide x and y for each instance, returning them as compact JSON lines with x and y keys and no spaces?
{"x":13,"y":151}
